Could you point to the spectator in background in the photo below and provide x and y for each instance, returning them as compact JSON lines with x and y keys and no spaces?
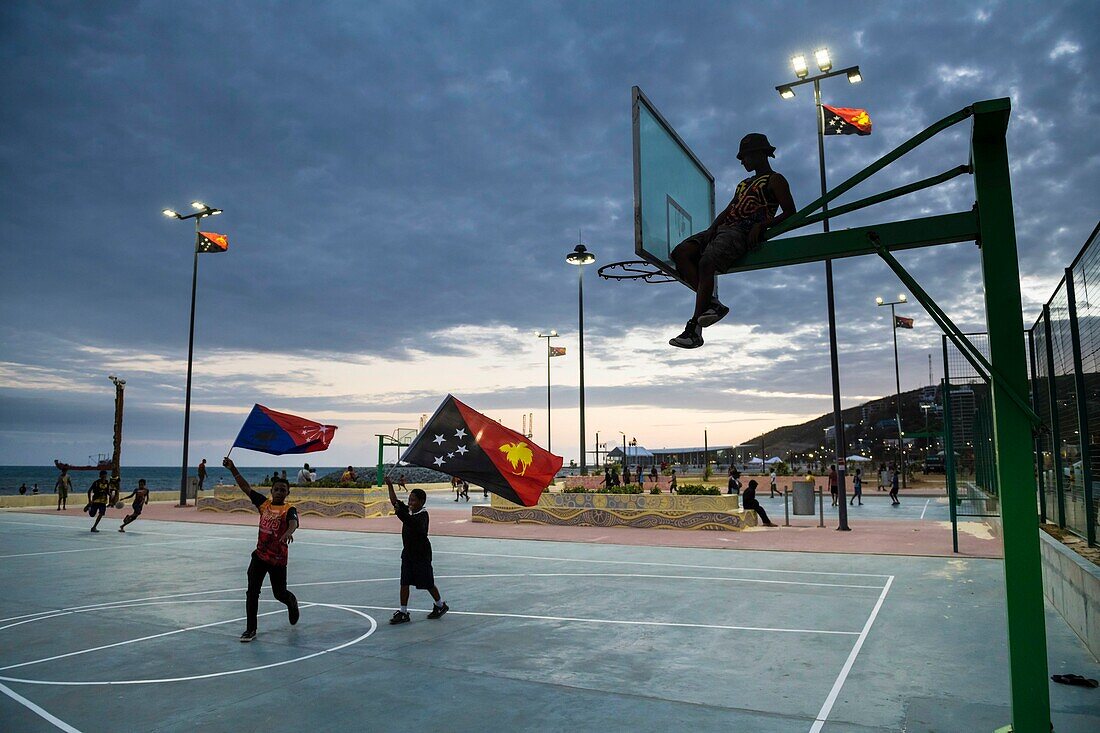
{"x":305,"y":476}
{"x":774,"y":487}
{"x":23,"y":490}
{"x":672,"y":484}
{"x":857,"y":487}
{"x":894,"y":485}
{"x":63,"y":486}
{"x":35,"y":489}
{"x":201,"y":474}
{"x":834,"y":487}
{"x":733,"y":485}
{"x":626,"y":474}
{"x":748,"y":501}
{"x":284,"y":477}
{"x":349,"y":476}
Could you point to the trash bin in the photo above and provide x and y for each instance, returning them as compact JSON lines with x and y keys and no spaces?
{"x":193,"y":487}
{"x":802,"y":498}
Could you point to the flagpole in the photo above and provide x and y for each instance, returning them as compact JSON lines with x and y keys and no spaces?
{"x":838,"y":415}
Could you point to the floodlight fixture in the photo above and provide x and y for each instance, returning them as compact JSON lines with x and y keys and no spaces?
{"x":854,"y":77}
{"x":821,"y":56}
{"x":798,"y":63}
{"x":198,"y":205}
{"x":786,"y":92}
{"x":171,"y":213}
{"x":878,"y":300}
{"x":580,"y":256}
{"x":902,"y":297}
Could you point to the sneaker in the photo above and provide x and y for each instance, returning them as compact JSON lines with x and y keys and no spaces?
{"x":691,"y":338}
{"x":120,"y":529}
{"x":714,"y":313}
{"x":400,"y":618}
{"x":248,"y":636}
{"x":438,"y":611}
{"x":292,"y":612}
{"x":95,"y":530}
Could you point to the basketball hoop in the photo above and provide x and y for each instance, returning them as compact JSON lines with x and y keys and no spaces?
{"x":635,"y":270}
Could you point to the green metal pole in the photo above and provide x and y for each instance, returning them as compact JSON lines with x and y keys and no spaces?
{"x":949,"y":451}
{"x":1027,"y":647}
{"x":1055,"y":429}
{"x":381,"y":470}
{"x":1082,"y":411}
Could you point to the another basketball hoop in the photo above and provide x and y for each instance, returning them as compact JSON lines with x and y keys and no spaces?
{"x":635,"y":270}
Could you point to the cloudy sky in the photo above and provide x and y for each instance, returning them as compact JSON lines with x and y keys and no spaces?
{"x":401,"y":182}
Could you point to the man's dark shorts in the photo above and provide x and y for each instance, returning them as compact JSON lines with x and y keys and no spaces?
{"x":417,"y":573}
{"x":136,"y":509}
{"x":97,"y":508}
{"x":724,"y":249}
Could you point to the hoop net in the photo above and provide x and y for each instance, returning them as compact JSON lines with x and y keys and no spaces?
{"x":635,"y":270}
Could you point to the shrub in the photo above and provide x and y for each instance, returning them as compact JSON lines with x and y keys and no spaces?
{"x":698,"y":490}
{"x":628,"y":489}
{"x":655,"y":490}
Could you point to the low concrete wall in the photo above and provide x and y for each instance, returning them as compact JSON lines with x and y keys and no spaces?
{"x":76,"y":498}
{"x":322,"y":502}
{"x":658,"y":511}
{"x":1072,"y":585}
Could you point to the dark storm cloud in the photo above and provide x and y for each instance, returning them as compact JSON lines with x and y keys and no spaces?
{"x":390,"y":170}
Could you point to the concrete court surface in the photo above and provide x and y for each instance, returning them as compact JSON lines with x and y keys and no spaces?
{"x":138,"y":632}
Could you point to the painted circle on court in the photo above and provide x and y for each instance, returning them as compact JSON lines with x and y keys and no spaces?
{"x":210,"y":675}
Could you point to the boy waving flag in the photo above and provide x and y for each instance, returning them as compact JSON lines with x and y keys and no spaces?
{"x":462,"y":442}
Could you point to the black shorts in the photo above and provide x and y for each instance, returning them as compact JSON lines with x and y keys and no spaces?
{"x":136,"y":509}
{"x":97,"y":508}
{"x":417,"y":573}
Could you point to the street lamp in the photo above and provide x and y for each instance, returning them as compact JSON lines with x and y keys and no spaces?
{"x":580,"y":257}
{"x":897,"y":376}
{"x":548,"y":336}
{"x":786,"y":91}
{"x":201,"y":212}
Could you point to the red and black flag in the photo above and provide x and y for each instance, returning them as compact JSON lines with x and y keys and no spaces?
{"x":210,"y":242}
{"x":846,"y":121}
{"x":903,"y":322}
{"x":557,"y":351}
{"x":461,"y":442}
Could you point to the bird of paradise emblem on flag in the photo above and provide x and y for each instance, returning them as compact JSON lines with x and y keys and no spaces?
{"x":519,"y":455}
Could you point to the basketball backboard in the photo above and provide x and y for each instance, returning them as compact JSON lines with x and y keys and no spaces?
{"x":673,"y":190}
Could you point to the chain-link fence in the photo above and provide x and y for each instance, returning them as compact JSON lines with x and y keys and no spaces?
{"x":970,"y":462}
{"x":1064,"y":349}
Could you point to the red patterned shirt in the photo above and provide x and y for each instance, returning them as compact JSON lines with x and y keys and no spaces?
{"x":274,"y":519}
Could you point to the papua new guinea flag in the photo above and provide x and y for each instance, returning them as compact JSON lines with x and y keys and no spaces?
{"x":206,"y":242}
{"x":846,"y":121}
{"x":462,"y":442}
{"x":279,"y":433}
{"x":903,"y":322}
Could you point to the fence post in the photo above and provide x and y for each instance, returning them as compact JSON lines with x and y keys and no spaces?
{"x":1055,"y":429}
{"x":1082,"y":411}
{"x":1037,"y":432}
{"x":949,"y":450}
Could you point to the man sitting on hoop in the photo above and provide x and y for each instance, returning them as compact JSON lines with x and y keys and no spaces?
{"x":738,"y":229}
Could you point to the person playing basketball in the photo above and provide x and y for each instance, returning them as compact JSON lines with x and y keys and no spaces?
{"x":737,"y":230}
{"x":140,"y":496}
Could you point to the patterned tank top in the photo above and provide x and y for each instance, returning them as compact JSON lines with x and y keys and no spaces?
{"x":752,"y":203}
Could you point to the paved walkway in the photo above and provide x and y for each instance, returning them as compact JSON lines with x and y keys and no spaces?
{"x":879,"y":536}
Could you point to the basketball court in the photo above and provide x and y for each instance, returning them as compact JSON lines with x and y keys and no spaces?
{"x":139,"y":631}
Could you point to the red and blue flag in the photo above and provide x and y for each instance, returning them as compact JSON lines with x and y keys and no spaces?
{"x":280,"y":433}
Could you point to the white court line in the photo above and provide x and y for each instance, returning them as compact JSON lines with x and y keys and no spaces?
{"x":134,"y":641}
{"x":624,"y":622}
{"x":827,"y":708}
{"x":925,"y":508}
{"x":512,"y":557}
{"x":45,"y":715}
{"x":112,"y":547}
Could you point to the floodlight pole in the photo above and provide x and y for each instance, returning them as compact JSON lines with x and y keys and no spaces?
{"x":547,"y":336}
{"x":834,"y":362}
{"x":202,"y":212}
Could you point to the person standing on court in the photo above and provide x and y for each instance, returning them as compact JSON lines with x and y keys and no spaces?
{"x":857,"y":487}
{"x":882,"y":476}
{"x":626,"y":474}
{"x":672,"y":484}
{"x":305,"y":476}
{"x":278,"y":522}
{"x":894,"y":486}
{"x":737,"y":230}
{"x":63,"y":486}
{"x":772,"y":485}
{"x":748,"y":501}
{"x":202,"y":473}
{"x":833,"y":488}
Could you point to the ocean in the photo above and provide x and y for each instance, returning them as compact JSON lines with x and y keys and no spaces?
{"x":157,"y":478}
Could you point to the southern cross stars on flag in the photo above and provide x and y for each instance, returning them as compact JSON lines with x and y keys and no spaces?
{"x":903,"y":322}
{"x":846,"y":121}
{"x":462,"y":442}
{"x":211,"y":242}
